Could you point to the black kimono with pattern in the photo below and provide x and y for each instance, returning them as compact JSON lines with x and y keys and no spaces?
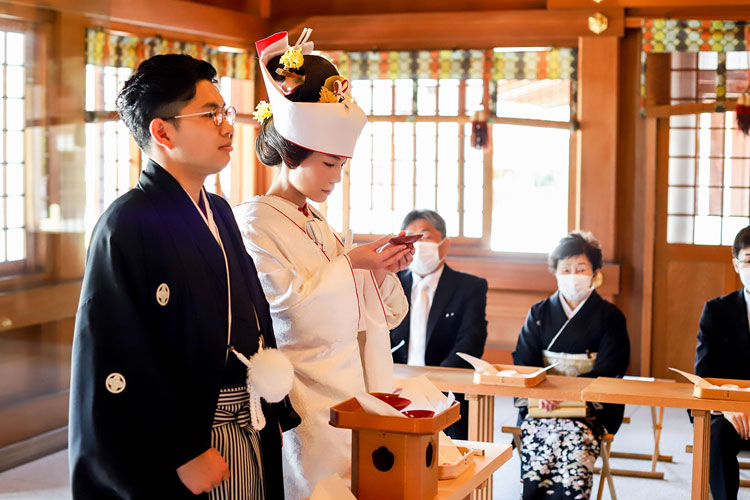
{"x":172,"y":356}
{"x":599,"y":326}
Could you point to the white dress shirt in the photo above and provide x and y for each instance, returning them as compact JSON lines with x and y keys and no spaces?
{"x":422,"y":292}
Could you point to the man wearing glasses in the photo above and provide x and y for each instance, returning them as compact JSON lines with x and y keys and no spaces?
{"x":724,"y":352}
{"x":159,"y":404}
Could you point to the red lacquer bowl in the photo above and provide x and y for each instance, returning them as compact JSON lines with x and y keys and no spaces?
{"x":396,"y":402}
{"x":419,"y":413}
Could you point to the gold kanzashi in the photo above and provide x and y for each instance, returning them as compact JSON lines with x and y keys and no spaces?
{"x":262,"y":111}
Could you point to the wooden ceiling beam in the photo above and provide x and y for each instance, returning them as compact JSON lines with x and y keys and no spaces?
{"x":725,"y":13}
{"x":477,"y":30}
{"x":176,"y":16}
{"x":583,"y":4}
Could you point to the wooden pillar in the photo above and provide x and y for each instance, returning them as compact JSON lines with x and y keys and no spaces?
{"x":598,"y":76}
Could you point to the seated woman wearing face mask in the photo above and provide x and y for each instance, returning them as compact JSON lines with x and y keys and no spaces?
{"x":587,"y":336}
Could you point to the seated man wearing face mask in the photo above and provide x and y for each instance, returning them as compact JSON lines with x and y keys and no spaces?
{"x":446,"y":307}
{"x":586,"y":335}
{"x":723,"y":352}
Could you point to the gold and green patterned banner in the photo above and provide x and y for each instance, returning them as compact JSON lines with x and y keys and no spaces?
{"x":460,"y":64}
{"x":395,"y":65}
{"x":554,"y":64}
{"x":532,"y":65}
{"x":662,"y":36}
{"x":108,"y":49}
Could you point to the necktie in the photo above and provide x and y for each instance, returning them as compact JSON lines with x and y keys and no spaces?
{"x":420,"y":309}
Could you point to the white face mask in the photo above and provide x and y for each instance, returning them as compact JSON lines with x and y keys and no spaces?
{"x":574,"y":287}
{"x":426,"y":257}
{"x":745,"y":276}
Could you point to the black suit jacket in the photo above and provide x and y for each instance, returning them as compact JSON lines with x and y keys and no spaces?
{"x":456,"y":322}
{"x":724,"y":338}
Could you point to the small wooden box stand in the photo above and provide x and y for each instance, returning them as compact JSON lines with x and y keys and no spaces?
{"x":393,"y":458}
{"x":514,"y":380}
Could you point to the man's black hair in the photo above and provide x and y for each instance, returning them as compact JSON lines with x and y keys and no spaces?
{"x":741,"y":241}
{"x":160,"y":87}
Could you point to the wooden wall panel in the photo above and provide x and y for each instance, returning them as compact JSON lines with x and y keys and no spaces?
{"x":34,"y":379}
{"x":525,"y":276}
{"x":506,"y":313}
{"x":598,"y":59}
{"x":689,"y":285}
{"x":635,"y":208}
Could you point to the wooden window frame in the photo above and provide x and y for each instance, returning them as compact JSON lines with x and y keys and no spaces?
{"x":461,"y":245}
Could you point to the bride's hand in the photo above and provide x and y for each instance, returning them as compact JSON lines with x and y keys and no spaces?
{"x":389,"y":257}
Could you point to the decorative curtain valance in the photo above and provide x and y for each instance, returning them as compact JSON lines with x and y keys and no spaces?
{"x":487,"y":65}
{"x":662,"y":36}
{"x":108,"y":49}
{"x":396,"y":65}
{"x":463,"y":64}
{"x":553,"y":64}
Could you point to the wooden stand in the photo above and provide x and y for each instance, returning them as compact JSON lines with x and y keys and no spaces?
{"x":393,"y":458}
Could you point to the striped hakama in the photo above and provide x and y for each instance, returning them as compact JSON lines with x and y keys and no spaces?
{"x":239,"y":444}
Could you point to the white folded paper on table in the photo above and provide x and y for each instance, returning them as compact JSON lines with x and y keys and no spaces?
{"x":332,"y":488}
{"x":695,"y":379}
{"x":479,"y":365}
{"x":448,"y":452}
{"x":373,"y":405}
{"x":425,"y":396}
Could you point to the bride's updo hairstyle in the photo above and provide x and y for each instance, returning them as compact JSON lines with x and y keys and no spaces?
{"x":271,"y":148}
{"x":310,"y":108}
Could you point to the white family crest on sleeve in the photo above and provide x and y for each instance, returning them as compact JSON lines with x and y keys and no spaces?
{"x":162,"y":294}
{"x":115,"y":383}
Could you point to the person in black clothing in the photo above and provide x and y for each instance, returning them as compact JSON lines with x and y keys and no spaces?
{"x":587,"y":336}
{"x":446,"y":307}
{"x":159,"y":406}
{"x":723,"y":351}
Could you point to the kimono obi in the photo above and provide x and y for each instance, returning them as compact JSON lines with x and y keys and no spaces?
{"x":233,"y":406}
{"x":570,"y":365}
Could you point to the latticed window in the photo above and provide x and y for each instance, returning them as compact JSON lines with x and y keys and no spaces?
{"x":113,"y":161}
{"x":108,"y":147}
{"x":709,"y":179}
{"x":416,"y":150}
{"x":708,"y":197}
{"x":12,"y":146}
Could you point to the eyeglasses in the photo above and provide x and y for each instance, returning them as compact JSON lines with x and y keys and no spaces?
{"x":744,"y":264}
{"x":227,"y":114}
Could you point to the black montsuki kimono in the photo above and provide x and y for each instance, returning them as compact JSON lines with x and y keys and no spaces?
{"x":150,"y":346}
{"x":599,"y":326}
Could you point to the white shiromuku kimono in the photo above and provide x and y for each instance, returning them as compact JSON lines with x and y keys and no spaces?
{"x":322,"y":311}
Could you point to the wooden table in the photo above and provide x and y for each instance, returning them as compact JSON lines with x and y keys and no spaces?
{"x":603,"y":390}
{"x":481,"y":397}
{"x":461,"y":487}
{"x":672,"y":395}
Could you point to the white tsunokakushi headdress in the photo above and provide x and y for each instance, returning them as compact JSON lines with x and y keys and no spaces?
{"x":332,"y":125}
